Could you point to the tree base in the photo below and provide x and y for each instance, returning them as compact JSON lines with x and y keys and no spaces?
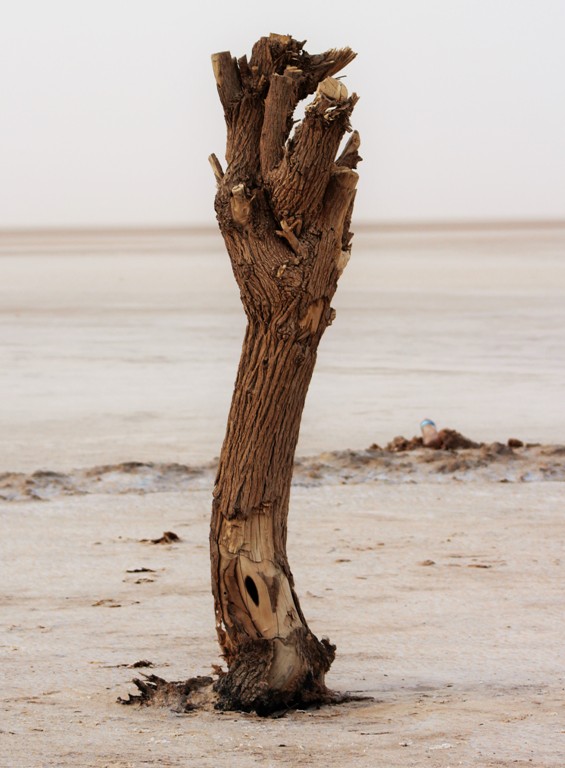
{"x":203,"y":693}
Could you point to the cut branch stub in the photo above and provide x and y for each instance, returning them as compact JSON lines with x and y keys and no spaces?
{"x":280,"y":104}
{"x":226,"y":74}
{"x":284,"y":207}
{"x":298,"y":184}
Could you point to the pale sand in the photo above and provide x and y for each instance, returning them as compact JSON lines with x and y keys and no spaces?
{"x":465,"y":657}
{"x":107,"y":359}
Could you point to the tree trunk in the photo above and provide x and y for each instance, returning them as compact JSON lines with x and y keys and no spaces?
{"x":284,"y":207}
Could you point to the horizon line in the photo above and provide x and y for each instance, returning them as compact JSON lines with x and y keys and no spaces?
{"x":376,"y":227}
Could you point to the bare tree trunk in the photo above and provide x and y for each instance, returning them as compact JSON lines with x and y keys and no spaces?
{"x":284,"y":207}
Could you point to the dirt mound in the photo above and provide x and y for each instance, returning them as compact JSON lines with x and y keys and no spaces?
{"x":447,"y":440}
{"x":452,"y":457}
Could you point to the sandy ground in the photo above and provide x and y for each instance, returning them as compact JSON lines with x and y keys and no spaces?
{"x":440,"y":578}
{"x":446,"y":604}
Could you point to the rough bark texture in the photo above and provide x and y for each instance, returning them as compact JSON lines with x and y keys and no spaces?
{"x":284,"y":207}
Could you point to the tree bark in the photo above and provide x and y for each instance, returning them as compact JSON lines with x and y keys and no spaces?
{"x":284,"y":207}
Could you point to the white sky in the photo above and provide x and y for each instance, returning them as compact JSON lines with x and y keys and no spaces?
{"x":108,"y":108}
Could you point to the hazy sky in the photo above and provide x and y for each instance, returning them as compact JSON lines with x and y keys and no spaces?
{"x":108,"y":108}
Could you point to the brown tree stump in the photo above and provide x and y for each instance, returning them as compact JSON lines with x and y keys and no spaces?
{"x":284,"y":208}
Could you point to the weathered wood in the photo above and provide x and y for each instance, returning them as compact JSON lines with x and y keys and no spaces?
{"x":350,"y":156}
{"x":217,"y":169}
{"x":280,"y":103}
{"x":298,"y":184}
{"x":284,"y":207}
{"x":227,"y":78}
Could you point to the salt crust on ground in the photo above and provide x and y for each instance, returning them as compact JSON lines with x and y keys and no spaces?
{"x":445,"y":602}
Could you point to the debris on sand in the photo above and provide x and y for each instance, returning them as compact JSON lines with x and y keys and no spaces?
{"x":444,"y":440}
{"x":450,"y":456}
{"x":168,"y":537}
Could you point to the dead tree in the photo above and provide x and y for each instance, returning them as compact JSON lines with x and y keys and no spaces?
{"x":284,"y":207}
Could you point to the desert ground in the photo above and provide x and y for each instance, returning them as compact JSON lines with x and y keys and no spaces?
{"x":438,"y":574}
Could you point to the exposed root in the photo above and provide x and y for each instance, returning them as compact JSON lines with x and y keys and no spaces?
{"x":254,"y":682}
{"x":202,"y":693}
{"x":182,"y":696}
